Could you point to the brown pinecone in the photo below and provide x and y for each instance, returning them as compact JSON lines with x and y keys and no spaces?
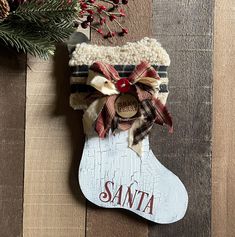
{"x":4,"y":9}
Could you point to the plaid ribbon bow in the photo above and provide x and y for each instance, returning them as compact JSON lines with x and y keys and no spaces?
{"x":101,"y":115}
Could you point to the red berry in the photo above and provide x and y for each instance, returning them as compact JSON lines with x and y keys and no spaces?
{"x":102,"y":20}
{"x":109,"y":35}
{"x":100,"y":31}
{"x":82,"y":12}
{"x":124,"y":1}
{"x":125,"y":31}
{"x":102,"y":8}
{"x":122,"y":12}
{"x":91,"y":1}
{"x":112,"y":17}
{"x":90,"y":18}
{"x":83,"y":6}
{"x":115,"y":1}
{"x":91,"y":12}
{"x":84,"y":24}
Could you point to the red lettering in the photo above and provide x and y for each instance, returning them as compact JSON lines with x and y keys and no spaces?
{"x":106,"y":196}
{"x":131,"y":199}
{"x":118,"y":195}
{"x":141,"y":199}
{"x":150,"y":205}
{"x":127,"y":198}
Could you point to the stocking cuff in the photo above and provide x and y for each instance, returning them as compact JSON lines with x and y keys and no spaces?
{"x":131,"y":53}
{"x":124,"y":58}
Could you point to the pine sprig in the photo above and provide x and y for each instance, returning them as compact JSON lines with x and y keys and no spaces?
{"x":21,"y":40}
{"x":46,"y":11}
{"x":35,"y":27}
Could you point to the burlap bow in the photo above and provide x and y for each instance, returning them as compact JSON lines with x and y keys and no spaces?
{"x":101,"y":115}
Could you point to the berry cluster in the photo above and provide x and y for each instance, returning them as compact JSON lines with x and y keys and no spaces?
{"x":99,"y":14}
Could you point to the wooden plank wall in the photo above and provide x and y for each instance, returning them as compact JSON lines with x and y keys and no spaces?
{"x":54,"y":205}
{"x":223,"y":128}
{"x":118,"y":223}
{"x":189,"y":45}
{"x":12,"y":124}
{"x":185,"y":29}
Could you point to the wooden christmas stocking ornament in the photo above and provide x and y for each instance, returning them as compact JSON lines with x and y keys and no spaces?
{"x":123,"y":92}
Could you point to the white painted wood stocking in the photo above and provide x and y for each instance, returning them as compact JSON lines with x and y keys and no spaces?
{"x":112,"y":175}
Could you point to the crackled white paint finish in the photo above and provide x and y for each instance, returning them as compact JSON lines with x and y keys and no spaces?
{"x":110,"y":160}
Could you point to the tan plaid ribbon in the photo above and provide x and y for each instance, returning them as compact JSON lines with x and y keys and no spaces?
{"x":101,"y":115}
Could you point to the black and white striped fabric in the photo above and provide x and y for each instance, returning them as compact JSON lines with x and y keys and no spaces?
{"x":80,"y":73}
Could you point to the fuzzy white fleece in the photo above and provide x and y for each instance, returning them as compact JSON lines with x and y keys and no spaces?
{"x":130,"y":53}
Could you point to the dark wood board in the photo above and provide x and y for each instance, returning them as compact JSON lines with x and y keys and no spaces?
{"x":120,"y":223}
{"x":185,"y":29}
{"x":12,"y":130}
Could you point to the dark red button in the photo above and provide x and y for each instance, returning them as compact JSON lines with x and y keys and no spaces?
{"x":123,"y":85}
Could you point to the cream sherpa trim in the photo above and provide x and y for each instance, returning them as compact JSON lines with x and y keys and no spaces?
{"x":130,"y":53}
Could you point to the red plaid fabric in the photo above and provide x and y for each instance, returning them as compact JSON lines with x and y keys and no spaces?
{"x":144,"y":69}
{"x":107,"y":70}
{"x":105,"y":118}
{"x":151,"y":109}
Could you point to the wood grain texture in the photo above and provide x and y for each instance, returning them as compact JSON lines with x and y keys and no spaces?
{"x":52,"y":201}
{"x":137,"y":21}
{"x":12,"y":123}
{"x":185,"y":30}
{"x":223,"y":206}
{"x":119,"y":223}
